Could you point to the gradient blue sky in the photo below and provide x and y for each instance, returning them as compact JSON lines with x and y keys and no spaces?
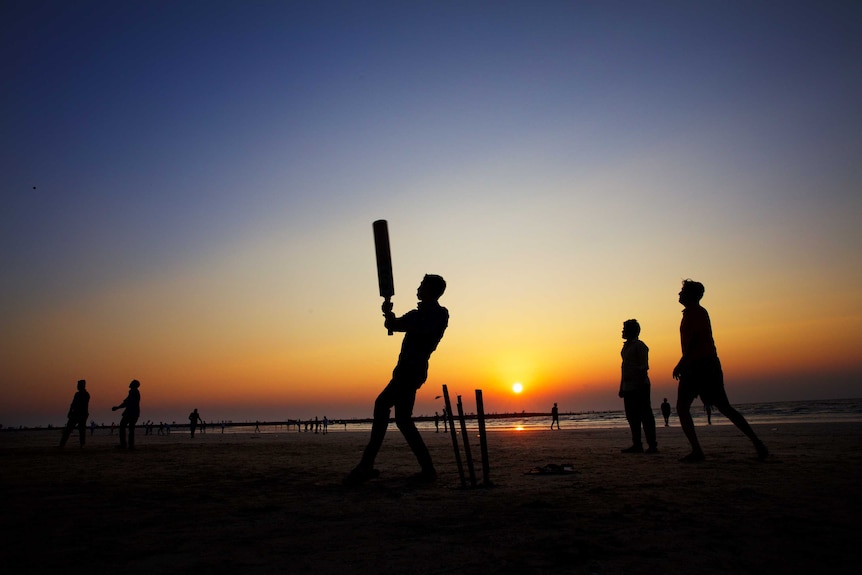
{"x":206,"y":174}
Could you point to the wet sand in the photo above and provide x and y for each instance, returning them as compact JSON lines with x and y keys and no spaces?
{"x":273,"y":503}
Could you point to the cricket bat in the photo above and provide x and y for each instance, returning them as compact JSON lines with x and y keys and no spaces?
{"x":384,"y":260}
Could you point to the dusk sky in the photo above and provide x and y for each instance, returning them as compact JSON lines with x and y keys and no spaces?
{"x":189,"y":186}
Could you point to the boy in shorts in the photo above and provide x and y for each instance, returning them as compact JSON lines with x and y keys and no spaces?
{"x":699,"y":373}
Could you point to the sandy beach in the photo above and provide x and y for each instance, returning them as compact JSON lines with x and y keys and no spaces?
{"x":273,"y":503}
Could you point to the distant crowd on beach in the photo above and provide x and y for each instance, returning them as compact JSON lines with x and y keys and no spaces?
{"x":196,"y":423}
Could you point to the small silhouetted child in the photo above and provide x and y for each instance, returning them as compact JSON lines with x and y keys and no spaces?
{"x":78,"y":413}
{"x":555,"y":416}
{"x":665,"y":411}
{"x":194,"y":419}
{"x":131,"y":407}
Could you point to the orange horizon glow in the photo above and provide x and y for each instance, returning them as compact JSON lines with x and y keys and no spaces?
{"x":266,"y":378}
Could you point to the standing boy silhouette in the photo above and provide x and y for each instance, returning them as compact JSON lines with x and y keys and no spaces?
{"x":635,"y":389}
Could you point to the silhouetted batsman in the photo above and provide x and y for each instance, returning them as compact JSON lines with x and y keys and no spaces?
{"x":423,"y":328}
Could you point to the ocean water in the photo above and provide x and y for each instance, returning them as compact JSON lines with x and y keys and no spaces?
{"x":816,"y":411}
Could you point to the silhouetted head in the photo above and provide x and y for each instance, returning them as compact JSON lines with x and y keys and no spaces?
{"x":631,"y":329}
{"x":691,"y":292}
{"x":82,"y":383}
{"x":135,"y":384}
{"x":431,"y":288}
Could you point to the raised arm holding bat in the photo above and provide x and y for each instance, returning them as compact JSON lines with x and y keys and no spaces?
{"x":423,"y":328}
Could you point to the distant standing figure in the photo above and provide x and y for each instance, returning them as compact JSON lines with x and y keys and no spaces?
{"x":635,"y":389}
{"x":436,"y":422}
{"x":92,"y":427}
{"x":699,"y":373}
{"x":78,"y":413}
{"x":131,"y":407}
{"x":555,"y":416}
{"x":708,"y":409}
{"x":424,"y":328}
{"x":665,"y":411}
{"x":194,"y":418}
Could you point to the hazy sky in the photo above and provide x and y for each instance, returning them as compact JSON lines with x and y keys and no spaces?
{"x":188,"y":190}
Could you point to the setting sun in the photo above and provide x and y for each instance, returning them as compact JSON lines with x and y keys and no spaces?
{"x":517,"y":387}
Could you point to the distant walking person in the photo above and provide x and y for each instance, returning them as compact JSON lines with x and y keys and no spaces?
{"x":635,"y":389}
{"x":78,"y":412}
{"x":424,"y":328}
{"x":555,"y":416}
{"x":699,"y":373}
{"x":194,"y":419}
{"x":665,"y":411}
{"x":131,"y":407}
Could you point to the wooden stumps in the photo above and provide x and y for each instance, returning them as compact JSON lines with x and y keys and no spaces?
{"x":468,"y":454}
{"x":454,"y":433}
{"x":483,"y":439}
